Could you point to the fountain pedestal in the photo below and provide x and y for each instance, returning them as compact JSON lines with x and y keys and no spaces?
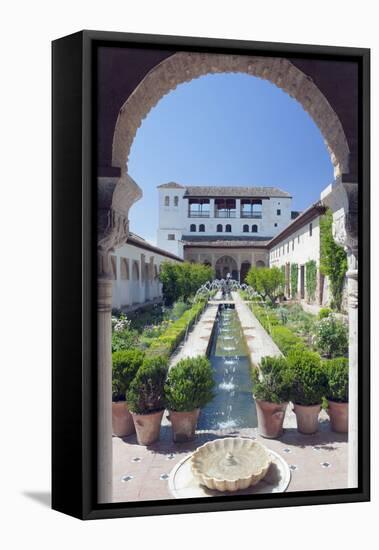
{"x":183,"y":483}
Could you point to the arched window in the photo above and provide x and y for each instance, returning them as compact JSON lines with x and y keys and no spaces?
{"x":193,"y":228}
{"x":219,"y":228}
{"x":228,"y":228}
{"x":201,"y":228}
{"x":254,"y":229}
{"x":176,"y":201}
{"x":246,"y":228}
{"x":167,"y":200}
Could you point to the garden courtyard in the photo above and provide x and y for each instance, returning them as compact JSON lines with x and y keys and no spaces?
{"x":220,"y":360}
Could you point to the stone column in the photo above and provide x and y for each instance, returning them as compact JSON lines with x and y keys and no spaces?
{"x":343,"y":201}
{"x":352,"y":288}
{"x":104,"y":389}
{"x":238,"y":209}
{"x":115,"y":197}
{"x":211,"y":208}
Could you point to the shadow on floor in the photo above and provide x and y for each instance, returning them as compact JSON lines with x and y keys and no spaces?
{"x":325,"y":439}
{"x":166,"y":446}
{"x":41,"y":497}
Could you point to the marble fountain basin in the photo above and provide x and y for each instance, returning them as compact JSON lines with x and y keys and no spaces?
{"x":230,"y":464}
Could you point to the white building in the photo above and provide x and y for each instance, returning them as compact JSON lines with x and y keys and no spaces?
{"x":226,"y":227}
{"x":136,"y":267}
{"x":298,"y":244}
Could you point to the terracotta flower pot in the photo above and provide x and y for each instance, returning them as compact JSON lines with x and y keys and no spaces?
{"x":147,"y":427}
{"x":270,"y":418}
{"x":183,"y":425}
{"x":339,"y":416}
{"x":307,"y":418}
{"x":122,"y":421}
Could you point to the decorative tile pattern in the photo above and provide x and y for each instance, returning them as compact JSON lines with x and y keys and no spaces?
{"x":163,"y":477}
{"x":325,"y":464}
{"x":293,"y":467}
{"x":136,"y":459}
{"x":286,"y":450}
{"x":126,"y":478}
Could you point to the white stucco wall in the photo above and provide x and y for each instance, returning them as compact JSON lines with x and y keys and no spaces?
{"x":175,"y":221}
{"x":171,"y":220}
{"x":299,"y":248}
{"x":135,"y":272}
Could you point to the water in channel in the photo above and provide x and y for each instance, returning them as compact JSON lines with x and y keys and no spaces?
{"x":233,"y":406}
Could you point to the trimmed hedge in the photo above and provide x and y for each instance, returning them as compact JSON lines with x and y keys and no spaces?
{"x":125,"y":364}
{"x":338,"y":379}
{"x":146,"y":391}
{"x":309,"y":377}
{"x":166,"y":343}
{"x":283,"y":337}
{"x":189,"y":385}
{"x":272,"y":381}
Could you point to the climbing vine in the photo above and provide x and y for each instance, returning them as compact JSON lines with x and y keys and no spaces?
{"x":333,"y":259}
{"x":294,"y":279}
{"x":311,"y":279}
{"x":282,"y":286}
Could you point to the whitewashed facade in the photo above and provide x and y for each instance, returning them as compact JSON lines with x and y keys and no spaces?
{"x":135,"y":269}
{"x":217,"y":213}
{"x":298,"y":244}
{"x":225,"y":227}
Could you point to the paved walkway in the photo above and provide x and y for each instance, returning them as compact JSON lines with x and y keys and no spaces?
{"x":316,"y":461}
{"x":199,"y":337}
{"x":258,"y":341}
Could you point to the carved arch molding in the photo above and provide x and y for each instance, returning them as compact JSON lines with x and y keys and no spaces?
{"x":185,"y":66}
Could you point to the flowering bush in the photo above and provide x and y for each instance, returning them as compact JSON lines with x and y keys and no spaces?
{"x":324,"y":312}
{"x":121,"y":323}
{"x":331,"y":336}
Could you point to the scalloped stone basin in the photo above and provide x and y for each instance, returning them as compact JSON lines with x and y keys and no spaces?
{"x":230,"y":464}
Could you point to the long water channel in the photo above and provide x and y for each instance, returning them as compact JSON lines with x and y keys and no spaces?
{"x":233,"y":406}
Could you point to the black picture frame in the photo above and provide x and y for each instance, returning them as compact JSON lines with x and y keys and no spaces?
{"x":74,"y":275}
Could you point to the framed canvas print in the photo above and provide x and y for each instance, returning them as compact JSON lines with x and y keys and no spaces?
{"x":210,"y":275}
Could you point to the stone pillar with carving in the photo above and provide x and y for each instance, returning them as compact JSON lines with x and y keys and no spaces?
{"x":343,"y":201}
{"x":104,"y":385}
{"x":352,"y":289}
{"x":114,"y":199}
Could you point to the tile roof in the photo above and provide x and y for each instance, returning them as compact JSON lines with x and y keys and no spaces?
{"x":224,"y":241}
{"x":316,"y":209}
{"x":171,"y":185}
{"x":234,"y":191}
{"x":226,"y":191}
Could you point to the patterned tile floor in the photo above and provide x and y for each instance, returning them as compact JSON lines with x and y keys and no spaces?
{"x":316,"y":461}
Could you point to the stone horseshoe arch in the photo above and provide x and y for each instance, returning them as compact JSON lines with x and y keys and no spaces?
{"x":185,"y":66}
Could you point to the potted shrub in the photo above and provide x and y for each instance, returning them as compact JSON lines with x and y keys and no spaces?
{"x":188,"y":388}
{"x":331,"y":336}
{"x":125,"y":364}
{"x":145,"y":399}
{"x":308,"y":388}
{"x":272,"y":384}
{"x":338,"y":393}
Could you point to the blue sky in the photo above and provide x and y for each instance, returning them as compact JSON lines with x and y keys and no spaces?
{"x":227,"y":129}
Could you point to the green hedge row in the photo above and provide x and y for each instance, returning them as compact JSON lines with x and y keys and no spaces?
{"x":167,"y":342}
{"x":283,"y":337}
